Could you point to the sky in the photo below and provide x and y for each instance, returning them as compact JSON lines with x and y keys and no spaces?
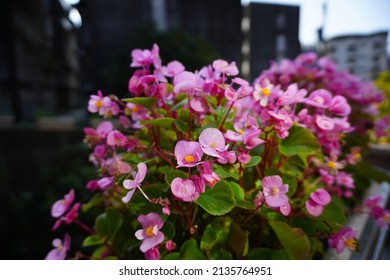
{"x":342,"y":17}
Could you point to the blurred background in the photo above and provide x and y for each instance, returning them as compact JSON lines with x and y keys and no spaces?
{"x":55,"y":53}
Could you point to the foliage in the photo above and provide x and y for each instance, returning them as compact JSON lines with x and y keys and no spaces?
{"x":203,"y":165}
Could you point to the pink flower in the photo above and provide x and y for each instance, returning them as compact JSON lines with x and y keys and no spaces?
{"x":115,"y":138}
{"x":244,"y":158}
{"x":212,"y":142}
{"x":373,"y":201}
{"x":231,"y":94}
{"x":339,"y":106}
{"x":173,"y":68}
{"x":227,"y":157}
{"x":170,"y":245}
{"x":60,"y":249}
{"x":324,"y":122}
{"x":184,"y":82}
{"x":69,"y":217}
{"x":285,"y":209}
{"x":61,"y":206}
{"x":291,"y":95}
{"x":188,"y":153}
{"x":319,"y":98}
{"x":346,"y":237}
{"x":152,"y":254}
{"x":208,"y":175}
{"x":99,"y":103}
{"x":345,"y":180}
{"x":145,"y":57}
{"x":184,"y":189}
{"x":223,"y":67}
{"x":283,"y":122}
{"x":275,"y":191}
{"x":92,"y":185}
{"x":252,"y":139}
{"x":259,"y":200}
{"x":150,"y":233}
{"x":318,"y":199}
{"x":262,"y":91}
{"x":132,"y":185}
{"x":106,"y":182}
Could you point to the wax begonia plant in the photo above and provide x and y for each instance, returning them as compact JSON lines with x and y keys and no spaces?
{"x":204,"y":165}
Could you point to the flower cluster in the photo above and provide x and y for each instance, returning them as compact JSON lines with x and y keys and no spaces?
{"x":204,"y":165}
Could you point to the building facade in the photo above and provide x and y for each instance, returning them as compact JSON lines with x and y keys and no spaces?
{"x":362,"y":55}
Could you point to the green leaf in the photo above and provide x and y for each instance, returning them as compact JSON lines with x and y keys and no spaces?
{"x":218,"y":200}
{"x":299,"y":141}
{"x":93,"y":240}
{"x":333,"y":213}
{"x":172,"y":256}
{"x":223,"y":173}
{"x":259,"y":254}
{"x":181,"y":125}
{"x":294,"y":240}
{"x":169,"y":230}
{"x":172,"y":174}
{"x":190,"y":251}
{"x":215,"y":233}
{"x":279,"y":255}
{"x":143,"y":101}
{"x":108,"y":223}
{"x":239,"y":195}
{"x":238,"y":240}
{"x":160,"y":122}
{"x":255,"y":160}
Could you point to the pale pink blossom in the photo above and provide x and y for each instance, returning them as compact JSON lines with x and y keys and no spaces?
{"x":275,"y":191}
{"x":150,"y":233}
{"x":133,"y":185}
{"x":188,"y":153}
{"x":60,"y":248}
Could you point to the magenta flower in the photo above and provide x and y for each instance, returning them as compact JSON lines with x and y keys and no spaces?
{"x":132,"y":185}
{"x":223,"y":67}
{"x":319,"y":98}
{"x":324,"y":122}
{"x":285,"y":209}
{"x":275,"y":191}
{"x":252,"y":139}
{"x":99,"y":103}
{"x":106,"y":182}
{"x":227,"y":157}
{"x":173,"y":68}
{"x":184,"y":189}
{"x":283,"y":122}
{"x":188,"y":153}
{"x":316,"y":202}
{"x":61,"y":206}
{"x":115,"y":138}
{"x":212,"y":142}
{"x":244,"y":158}
{"x":60,"y":249}
{"x":346,"y":237}
{"x":291,"y":95}
{"x":69,"y":217}
{"x":231,"y":94}
{"x":208,"y":175}
{"x":170,"y":245}
{"x":184,"y":82}
{"x":152,"y":254}
{"x":339,"y":106}
{"x":150,"y":233}
{"x":146,"y":57}
{"x":345,"y":179}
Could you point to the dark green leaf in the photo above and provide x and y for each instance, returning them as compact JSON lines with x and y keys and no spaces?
{"x":160,"y":122}
{"x":294,"y":240}
{"x":169,"y":230}
{"x":259,"y":254}
{"x":255,"y":160}
{"x":109,"y":222}
{"x":215,"y":233}
{"x":181,"y":125}
{"x":190,"y":251}
{"x":238,"y":240}
{"x":172,"y":174}
{"x":93,"y":240}
{"x":218,"y":200}
{"x":172,"y":256}
{"x":299,"y":141}
{"x":143,"y":101}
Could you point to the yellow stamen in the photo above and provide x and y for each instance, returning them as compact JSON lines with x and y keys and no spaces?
{"x":135,"y":109}
{"x":99,"y":103}
{"x":241,"y":131}
{"x":189,"y":158}
{"x":60,"y":248}
{"x":63,"y":202}
{"x":213,"y":145}
{"x":149,"y":231}
{"x":265,"y":91}
{"x":386,"y":218}
{"x":275,"y":191}
{"x":351,"y":243}
{"x":332,"y":165}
